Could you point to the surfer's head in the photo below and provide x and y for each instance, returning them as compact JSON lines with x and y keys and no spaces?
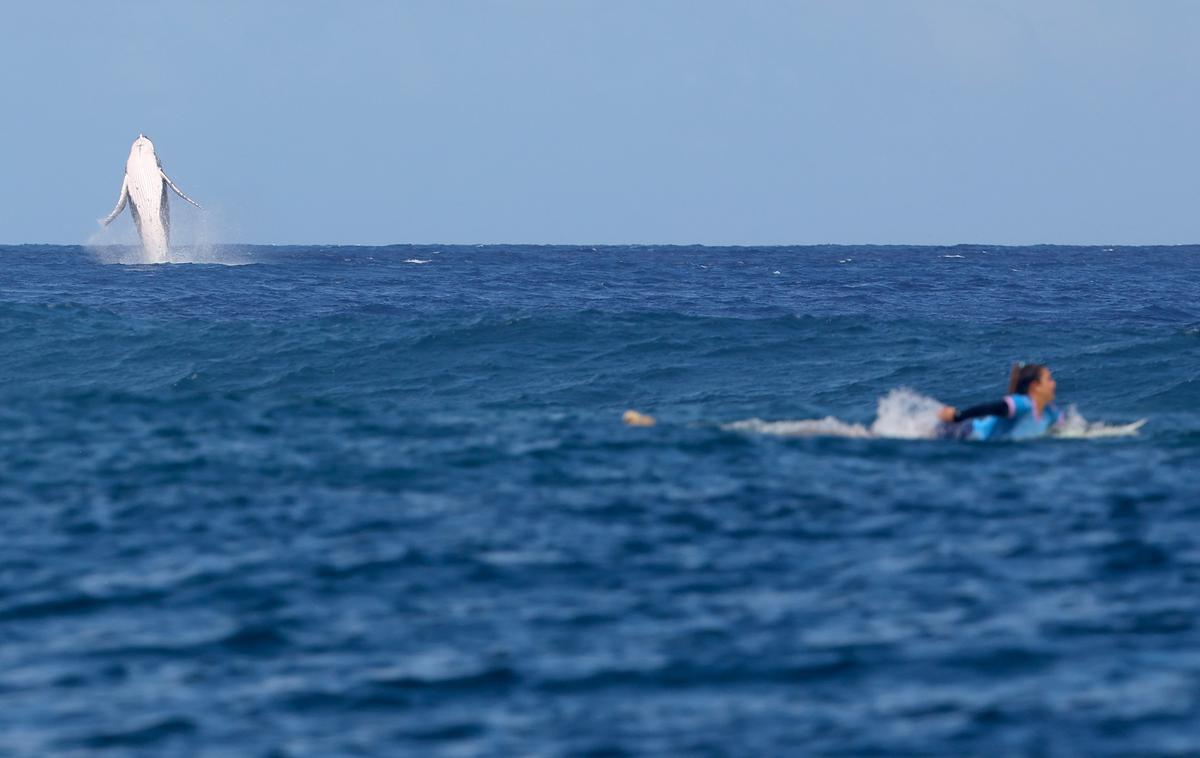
{"x":1032,"y":379}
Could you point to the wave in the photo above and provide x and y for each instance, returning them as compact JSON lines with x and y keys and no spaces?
{"x":908,"y":415}
{"x":154,"y":731}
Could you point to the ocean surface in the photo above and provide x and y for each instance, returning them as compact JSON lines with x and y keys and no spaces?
{"x":360,"y":501}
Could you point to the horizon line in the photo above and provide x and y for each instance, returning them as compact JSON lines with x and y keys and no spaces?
{"x":739,"y":245}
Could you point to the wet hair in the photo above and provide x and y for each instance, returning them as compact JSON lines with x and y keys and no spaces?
{"x":1023,"y":375}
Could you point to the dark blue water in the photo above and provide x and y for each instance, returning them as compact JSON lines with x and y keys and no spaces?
{"x":339,"y":503}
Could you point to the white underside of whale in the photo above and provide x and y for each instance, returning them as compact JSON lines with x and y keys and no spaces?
{"x":144,"y":189}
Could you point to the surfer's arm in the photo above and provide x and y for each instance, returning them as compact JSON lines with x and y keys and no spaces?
{"x":178,"y":191}
{"x":999,"y":408}
{"x":1003,"y":408}
{"x":120,"y":203}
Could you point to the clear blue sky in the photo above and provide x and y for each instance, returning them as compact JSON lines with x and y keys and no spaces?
{"x":656,"y":121}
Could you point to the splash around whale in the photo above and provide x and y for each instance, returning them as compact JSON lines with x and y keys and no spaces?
{"x":144,"y":189}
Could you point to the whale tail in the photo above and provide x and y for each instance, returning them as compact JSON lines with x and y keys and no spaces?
{"x":178,"y":191}
{"x":124,"y":198}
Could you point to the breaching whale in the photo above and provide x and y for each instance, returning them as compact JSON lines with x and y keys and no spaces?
{"x":145,"y":189}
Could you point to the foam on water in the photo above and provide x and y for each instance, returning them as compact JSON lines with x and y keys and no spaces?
{"x":818,"y":427}
{"x":1075,"y":426}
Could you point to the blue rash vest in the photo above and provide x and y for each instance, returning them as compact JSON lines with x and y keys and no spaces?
{"x":1023,"y":421}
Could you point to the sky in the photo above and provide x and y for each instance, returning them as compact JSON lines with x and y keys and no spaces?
{"x":611,"y":122}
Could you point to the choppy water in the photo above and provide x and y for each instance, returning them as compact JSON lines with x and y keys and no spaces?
{"x":378,"y":501}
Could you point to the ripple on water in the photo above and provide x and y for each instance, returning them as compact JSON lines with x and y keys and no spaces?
{"x":334,"y":503}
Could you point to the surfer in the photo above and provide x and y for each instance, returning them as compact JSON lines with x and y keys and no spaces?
{"x":1026,"y":411}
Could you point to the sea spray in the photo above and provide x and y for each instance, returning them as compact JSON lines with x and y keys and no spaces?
{"x":197,"y":234}
{"x":1074,"y":426}
{"x":192,"y":241}
{"x":116,"y":243}
{"x":905,"y":414}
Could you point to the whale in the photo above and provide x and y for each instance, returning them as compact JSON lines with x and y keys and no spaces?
{"x":144,"y":190}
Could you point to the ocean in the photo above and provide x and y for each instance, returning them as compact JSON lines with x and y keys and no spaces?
{"x":359,"y":501}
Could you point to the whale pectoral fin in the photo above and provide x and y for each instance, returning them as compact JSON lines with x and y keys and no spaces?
{"x":120,"y":203}
{"x":177,"y":190}
{"x":164,"y":213}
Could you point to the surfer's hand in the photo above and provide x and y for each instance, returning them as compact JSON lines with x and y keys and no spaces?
{"x":946,"y":414}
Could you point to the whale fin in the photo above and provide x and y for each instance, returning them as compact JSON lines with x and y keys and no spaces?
{"x":120,"y":203}
{"x":177,"y":190}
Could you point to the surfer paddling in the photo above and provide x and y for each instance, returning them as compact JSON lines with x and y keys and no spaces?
{"x":1026,"y":411}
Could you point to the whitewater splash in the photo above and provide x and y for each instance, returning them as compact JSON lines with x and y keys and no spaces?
{"x":905,"y":414}
{"x":1074,"y":425}
{"x":119,"y":243}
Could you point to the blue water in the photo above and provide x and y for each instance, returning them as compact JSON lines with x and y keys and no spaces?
{"x":336,"y":502}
